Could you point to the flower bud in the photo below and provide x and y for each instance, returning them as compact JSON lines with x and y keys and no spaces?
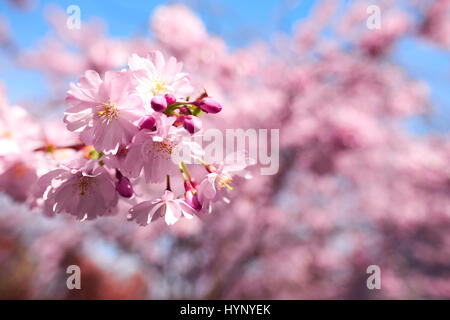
{"x":124,"y":187}
{"x":184,"y":110}
{"x":178,"y":122}
{"x":192,"y":200}
{"x":192,"y":124}
{"x":170,"y":99}
{"x":159,"y":103}
{"x":191,"y":197}
{"x":208,"y":105}
{"x":210,"y":168}
{"x":148,"y":123}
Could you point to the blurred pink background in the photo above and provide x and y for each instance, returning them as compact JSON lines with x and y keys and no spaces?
{"x":364,"y":152}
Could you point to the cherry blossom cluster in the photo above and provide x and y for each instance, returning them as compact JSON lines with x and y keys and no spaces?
{"x":129,"y":123}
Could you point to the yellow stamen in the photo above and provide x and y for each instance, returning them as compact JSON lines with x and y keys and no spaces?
{"x":229,"y":187}
{"x":87,"y":151}
{"x":159,"y":87}
{"x":108,"y":112}
{"x":223,"y":180}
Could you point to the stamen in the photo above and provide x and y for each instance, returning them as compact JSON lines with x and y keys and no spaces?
{"x":108,"y":112}
{"x":159,"y":87}
{"x":84,"y":184}
{"x":223,"y":180}
{"x":165,"y":146}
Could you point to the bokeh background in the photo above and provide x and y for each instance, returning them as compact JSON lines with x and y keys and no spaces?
{"x":364,"y":150}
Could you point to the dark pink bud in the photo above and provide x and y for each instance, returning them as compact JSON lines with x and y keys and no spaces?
{"x":159,"y":103}
{"x":210,"y":168}
{"x":124,"y":187}
{"x":192,"y":124}
{"x":185,"y":110}
{"x":178,"y":122}
{"x":170,"y":99}
{"x":192,"y":200}
{"x":191,"y":184}
{"x":208,"y":105}
{"x":148,"y":123}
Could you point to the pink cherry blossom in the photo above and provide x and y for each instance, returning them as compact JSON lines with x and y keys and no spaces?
{"x":85,"y":192}
{"x":18,"y":131}
{"x":156,"y":77}
{"x":169,"y":207}
{"x":187,"y":34}
{"x":436,"y":25}
{"x":103,"y":110}
{"x":152,"y":150}
{"x":217,"y":183}
{"x":17,"y":179}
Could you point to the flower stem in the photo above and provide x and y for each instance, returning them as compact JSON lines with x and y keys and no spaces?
{"x":182,"y":172}
{"x":168,"y":183}
{"x":186,"y":170}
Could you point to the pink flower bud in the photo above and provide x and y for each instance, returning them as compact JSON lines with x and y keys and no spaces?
{"x":159,"y":103}
{"x":191,"y":197}
{"x":148,"y":123}
{"x":124,"y":187}
{"x":192,"y":124}
{"x":210,"y":168}
{"x":185,"y":110}
{"x":170,"y":99}
{"x":192,"y":200}
{"x":208,"y":105}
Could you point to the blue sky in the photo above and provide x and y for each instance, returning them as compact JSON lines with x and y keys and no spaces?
{"x":227,"y":18}
{"x":239,"y":22}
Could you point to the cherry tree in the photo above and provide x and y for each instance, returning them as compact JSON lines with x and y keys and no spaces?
{"x":354,"y":187}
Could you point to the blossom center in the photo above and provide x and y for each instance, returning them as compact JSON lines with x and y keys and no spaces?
{"x":158,"y":149}
{"x":84,"y":184}
{"x":165,"y":146}
{"x":159,"y":87}
{"x":224,"y":180}
{"x":108,"y":112}
{"x":122,"y":152}
{"x":19,"y":170}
